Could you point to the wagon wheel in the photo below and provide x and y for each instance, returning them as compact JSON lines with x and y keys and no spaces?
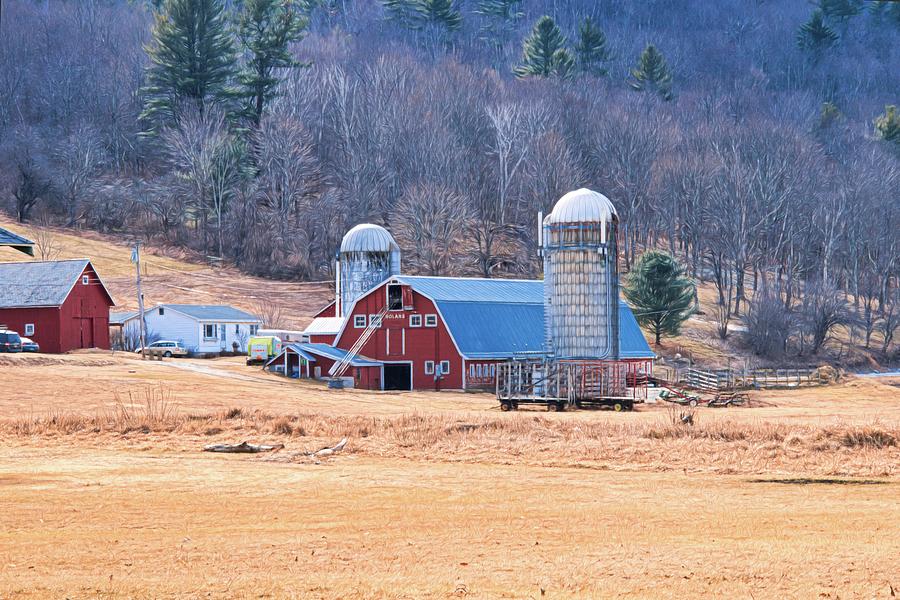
{"x":618,"y":407}
{"x":505,"y":406}
{"x":552,"y":406}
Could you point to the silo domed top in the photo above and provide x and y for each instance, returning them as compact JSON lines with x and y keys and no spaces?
{"x":583,"y":206}
{"x":367,"y":237}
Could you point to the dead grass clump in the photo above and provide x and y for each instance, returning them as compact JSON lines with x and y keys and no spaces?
{"x":233,"y":413}
{"x":868,"y":437}
{"x":153,"y":409}
{"x":282,"y":426}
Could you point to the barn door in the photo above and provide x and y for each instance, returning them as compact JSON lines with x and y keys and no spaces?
{"x":87,"y":333}
{"x":394,"y":341}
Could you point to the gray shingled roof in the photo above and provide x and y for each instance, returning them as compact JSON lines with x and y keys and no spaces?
{"x":8,"y":238}
{"x":213,"y":312}
{"x":30,"y":284}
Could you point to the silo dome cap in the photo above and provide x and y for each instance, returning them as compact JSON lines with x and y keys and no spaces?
{"x":367,"y":237}
{"x":583,"y":206}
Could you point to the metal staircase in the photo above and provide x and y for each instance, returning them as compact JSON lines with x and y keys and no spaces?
{"x":338,"y":368}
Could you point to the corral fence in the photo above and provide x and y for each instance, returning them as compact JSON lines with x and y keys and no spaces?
{"x":745,"y":379}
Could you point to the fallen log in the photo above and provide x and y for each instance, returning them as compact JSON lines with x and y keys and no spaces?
{"x":329,"y":451}
{"x":242,"y":448}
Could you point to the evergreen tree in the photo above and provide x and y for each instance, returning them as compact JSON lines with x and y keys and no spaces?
{"x":840,"y":10}
{"x":816,"y":36}
{"x":660,"y":294}
{"x":418,"y":14}
{"x":652,"y":73}
{"x":192,"y":61}
{"x":887,"y":126}
{"x":544,"y":53}
{"x":266,"y":28}
{"x":591,"y":49}
{"x":501,"y":17}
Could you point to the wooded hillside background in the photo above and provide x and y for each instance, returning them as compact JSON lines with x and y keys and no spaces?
{"x":754,"y":140}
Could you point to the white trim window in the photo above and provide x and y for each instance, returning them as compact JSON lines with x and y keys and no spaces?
{"x":254,"y":329}
{"x":85,"y":280}
{"x":430,"y":320}
{"x":429,"y":367}
{"x":210,"y":331}
{"x":359,"y":321}
{"x":374,"y":321}
{"x":445,"y":367}
{"x":415,"y":320}
{"x":29,"y":329}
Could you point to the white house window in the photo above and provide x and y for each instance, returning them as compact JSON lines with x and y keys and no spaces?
{"x":374,"y":321}
{"x":415,"y":320}
{"x":429,"y":367}
{"x":430,"y":320}
{"x":29,"y":329}
{"x":85,"y":280}
{"x":254,"y":329}
{"x":162,"y":311}
{"x":359,"y":321}
{"x":209,"y":331}
{"x":237,"y":330}
{"x":445,"y":367}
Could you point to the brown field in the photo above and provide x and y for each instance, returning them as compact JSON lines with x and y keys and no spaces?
{"x":106,"y":492}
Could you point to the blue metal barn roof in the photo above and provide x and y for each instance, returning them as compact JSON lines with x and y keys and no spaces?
{"x":497,"y":318}
{"x":8,"y":238}
{"x":333,"y":353}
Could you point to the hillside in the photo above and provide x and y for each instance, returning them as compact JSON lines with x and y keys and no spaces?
{"x":169,"y":276}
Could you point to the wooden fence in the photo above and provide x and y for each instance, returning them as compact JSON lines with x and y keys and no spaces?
{"x":731,"y":379}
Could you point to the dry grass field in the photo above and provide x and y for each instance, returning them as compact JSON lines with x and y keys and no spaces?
{"x":106,"y":491}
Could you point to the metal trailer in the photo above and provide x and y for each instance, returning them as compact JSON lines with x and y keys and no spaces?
{"x":559,"y":385}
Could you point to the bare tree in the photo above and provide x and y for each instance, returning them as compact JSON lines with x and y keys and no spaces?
{"x":46,"y":240}
{"x":429,"y":222}
{"x":824,"y":308}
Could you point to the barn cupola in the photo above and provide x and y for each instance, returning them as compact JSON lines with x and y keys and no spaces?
{"x":581,"y":282}
{"x":368,"y":256}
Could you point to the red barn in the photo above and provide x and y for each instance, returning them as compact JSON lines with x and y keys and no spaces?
{"x":444,"y":333}
{"x":62,"y":305}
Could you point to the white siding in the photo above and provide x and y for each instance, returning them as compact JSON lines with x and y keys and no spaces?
{"x":178,"y":327}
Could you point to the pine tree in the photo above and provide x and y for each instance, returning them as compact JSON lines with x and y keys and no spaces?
{"x":192,"y":61}
{"x":660,"y":294}
{"x":652,"y":73}
{"x":591,"y":50}
{"x":266,"y":28}
{"x":816,"y":36}
{"x":840,"y":9}
{"x":501,"y":17}
{"x":417,"y":14}
{"x":887,"y":126}
{"x":544,"y":53}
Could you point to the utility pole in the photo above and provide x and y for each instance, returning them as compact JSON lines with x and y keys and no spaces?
{"x":136,"y":259}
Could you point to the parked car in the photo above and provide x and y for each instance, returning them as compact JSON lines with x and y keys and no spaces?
{"x":165,"y":348}
{"x":10,"y":341}
{"x":29,"y":345}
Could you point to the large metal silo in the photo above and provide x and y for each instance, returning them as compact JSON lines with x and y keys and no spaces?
{"x":368,"y":256}
{"x":581,"y":278}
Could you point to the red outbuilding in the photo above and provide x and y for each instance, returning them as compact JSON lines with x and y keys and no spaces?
{"x":62,"y":305}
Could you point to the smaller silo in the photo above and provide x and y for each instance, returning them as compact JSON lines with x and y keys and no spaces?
{"x":368,"y":256}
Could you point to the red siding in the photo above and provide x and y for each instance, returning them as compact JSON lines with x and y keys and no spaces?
{"x":396,"y":341}
{"x":328,"y":311}
{"x":81,"y":322}
{"x":322,"y":339}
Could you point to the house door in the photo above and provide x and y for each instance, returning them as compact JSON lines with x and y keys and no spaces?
{"x":87,"y":333}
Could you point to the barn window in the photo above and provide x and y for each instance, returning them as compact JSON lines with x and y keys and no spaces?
{"x":209,"y":331}
{"x":472,"y":371}
{"x":162,"y":311}
{"x":445,"y":367}
{"x":374,"y":321}
{"x":85,"y":280}
{"x":359,"y":321}
{"x":395,"y":296}
{"x":479,"y":371}
{"x":430,"y":320}
{"x":415,"y":320}
{"x":429,"y":367}
{"x":29,"y":329}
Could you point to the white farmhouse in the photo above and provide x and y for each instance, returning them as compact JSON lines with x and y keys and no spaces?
{"x":200,"y":328}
